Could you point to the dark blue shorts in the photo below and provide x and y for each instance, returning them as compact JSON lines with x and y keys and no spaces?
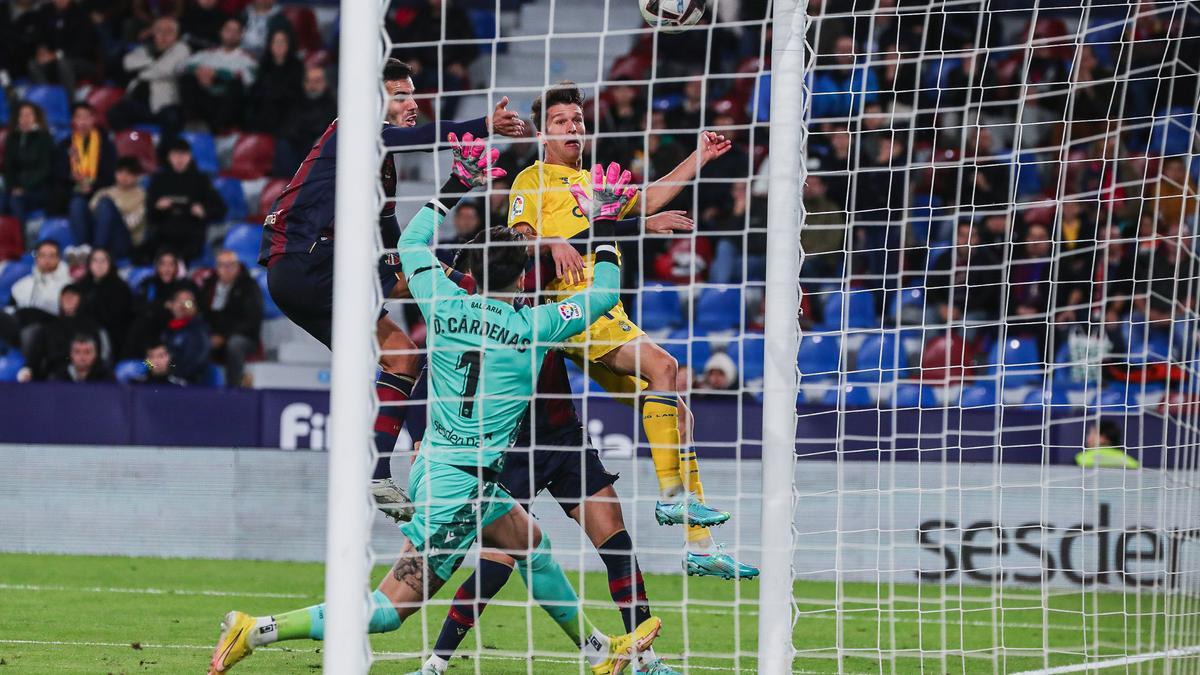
{"x":301,"y":284}
{"x":568,"y":473}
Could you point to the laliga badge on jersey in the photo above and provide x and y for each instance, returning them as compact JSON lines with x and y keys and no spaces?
{"x":518,"y":206}
{"x":625,"y":327}
{"x":570,"y":310}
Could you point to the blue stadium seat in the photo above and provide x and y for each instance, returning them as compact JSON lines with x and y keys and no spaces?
{"x":982,"y":395}
{"x":689,"y":350}
{"x":56,"y":229}
{"x":214,"y":376}
{"x":860,"y":314}
{"x":1017,"y":361}
{"x":234,"y":197}
{"x":1148,"y":345}
{"x":659,"y":304}
{"x":879,"y":357}
{"x":1171,"y":134}
{"x":204,"y":151}
{"x":753,"y":356}
{"x":270,"y":309}
{"x":1029,"y":174}
{"x":819,"y":355}
{"x":854,"y":396}
{"x":719,"y":309}
{"x":129,"y":370}
{"x":10,"y":273}
{"x":11,"y":364}
{"x":483,"y":23}
{"x":139,"y":274}
{"x":54,"y":101}
{"x":910,"y":395}
{"x":3,"y":110}
{"x":244,"y":240}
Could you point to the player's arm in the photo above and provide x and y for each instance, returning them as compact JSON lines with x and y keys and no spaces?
{"x":561,"y":320}
{"x":501,"y":121}
{"x":662,"y":191}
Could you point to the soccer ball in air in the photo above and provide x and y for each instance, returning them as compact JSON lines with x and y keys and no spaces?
{"x":672,"y":16}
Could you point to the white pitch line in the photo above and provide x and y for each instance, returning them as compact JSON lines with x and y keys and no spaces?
{"x":1116,"y":663}
{"x":152,"y":591}
{"x":129,"y":645}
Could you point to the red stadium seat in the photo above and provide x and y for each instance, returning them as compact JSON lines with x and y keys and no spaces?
{"x":252,"y":156}
{"x":103,"y":98}
{"x":304,"y":24}
{"x":134,"y":143}
{"x":270,"y":193}
{"x":943,"y":359}
{"x":12,"y":240}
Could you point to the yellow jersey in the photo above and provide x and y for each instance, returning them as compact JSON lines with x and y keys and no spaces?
{"x":541,"y":198}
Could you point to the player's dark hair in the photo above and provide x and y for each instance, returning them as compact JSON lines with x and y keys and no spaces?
{"x":563,"y":92}
{"x":496,"y":257}
{"x":395,"y":69}
{"x":1111,"y":432}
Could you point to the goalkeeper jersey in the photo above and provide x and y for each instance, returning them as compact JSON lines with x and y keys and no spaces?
{"x":484,"y":353}
{"x":540,"y":196}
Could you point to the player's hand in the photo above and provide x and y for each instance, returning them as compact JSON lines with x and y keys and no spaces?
{"x":504,"y":121}
{"x":473,"y":167}
{"x":400,"y":290}
{"x":568,"y":264}
{"x":712,"y":146}
{"x":667,"y":222}
{"x":611,"y":191}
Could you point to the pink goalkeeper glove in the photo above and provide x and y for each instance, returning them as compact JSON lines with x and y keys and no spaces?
{"x":610,"y":193}
{"x":472,"y":166}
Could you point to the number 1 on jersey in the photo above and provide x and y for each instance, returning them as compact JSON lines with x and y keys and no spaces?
{"x":471,"y":362}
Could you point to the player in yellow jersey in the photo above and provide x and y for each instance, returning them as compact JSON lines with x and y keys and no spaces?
{"x":624,"y":359}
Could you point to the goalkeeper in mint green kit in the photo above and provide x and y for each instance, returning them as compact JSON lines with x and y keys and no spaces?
{"x":484,"y":356}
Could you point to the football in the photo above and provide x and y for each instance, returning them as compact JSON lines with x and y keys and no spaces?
{"x":672,"y":16}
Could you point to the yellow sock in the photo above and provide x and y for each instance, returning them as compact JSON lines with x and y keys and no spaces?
{"x":660,"y":421}
{"x":689,"y":474}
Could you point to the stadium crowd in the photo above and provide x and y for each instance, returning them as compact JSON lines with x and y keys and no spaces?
{"x":963,"y":209}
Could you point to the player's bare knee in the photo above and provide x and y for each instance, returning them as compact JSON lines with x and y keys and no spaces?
{"x":401,"y":364}
{"x":660,"y":372}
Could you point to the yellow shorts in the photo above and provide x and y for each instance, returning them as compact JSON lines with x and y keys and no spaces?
{"x":608,"y":332}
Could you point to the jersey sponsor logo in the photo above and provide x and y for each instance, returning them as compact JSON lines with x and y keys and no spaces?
{"x":569,"y":311}
{"x":518,"y":205}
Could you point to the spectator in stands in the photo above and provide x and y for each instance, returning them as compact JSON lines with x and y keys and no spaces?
{"x":233,"y":308}
{"x":66,"y":29}
{"x":625,"y":115}
{"x":106,"y":296}
{"x":685,"y":378}
{"x":1175,"y":194}
{"x":28,"y":162}
{"x":159,"y":370}
{"x":985,"y":176}
{"x":201,"y":22}
{"x":214,"y":82}
{"x":117,"y":217}
{"x":49,"y":66}
{"x":140,"y":24}
{"x":824,"y":233}
{"x":262,"y":19}
{"x":963,"y":283}
{"x":842,"y":86}
{"x":151,"y":298}
{"x":36,"y":295}
{"x":180,"y":203}
{"x":467,"y":222}
{"x":153,"y":94}
{"x":305,"y":123}
{"x":738,"y":228}
{"x":720,"y":373}
{"x":1102,"y":448}
{"x":18,"y":31}
{"x":278,"y":86}
{"x":85,"y":163}
{"x":84,"y":364}
{"x":187,"y":336}
{"x":1114,"y":274}
{"x":52,"y":347}
{"x":436,"y":66}
{"x":1029,"y":285}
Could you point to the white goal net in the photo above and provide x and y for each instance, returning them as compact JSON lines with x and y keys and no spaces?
{"x":995,"y":423}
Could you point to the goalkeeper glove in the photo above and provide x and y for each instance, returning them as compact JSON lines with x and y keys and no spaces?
{"x":610,"y":193}
{"x":472,"y":166}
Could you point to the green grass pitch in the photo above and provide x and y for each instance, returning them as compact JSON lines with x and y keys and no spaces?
{"x":84,"y":614}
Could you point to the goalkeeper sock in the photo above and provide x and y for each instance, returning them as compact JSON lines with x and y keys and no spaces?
{"x":660,"y":421}
{"x":625,"y":579}
{"x":555,"y":595}
{"x":392,"y":390}
{"x":310,"y":622}
{"x":469,"y":602}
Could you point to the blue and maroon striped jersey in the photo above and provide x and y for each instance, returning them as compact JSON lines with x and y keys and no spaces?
{"x":303,"y":213}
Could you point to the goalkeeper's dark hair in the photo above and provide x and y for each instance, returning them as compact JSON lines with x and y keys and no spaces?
{"x":563,"y":92}
{"x":395,"y":69}
{"x":496,"y":258}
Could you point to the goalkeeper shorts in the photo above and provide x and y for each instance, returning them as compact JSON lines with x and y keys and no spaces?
{"x":451,"y":505}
